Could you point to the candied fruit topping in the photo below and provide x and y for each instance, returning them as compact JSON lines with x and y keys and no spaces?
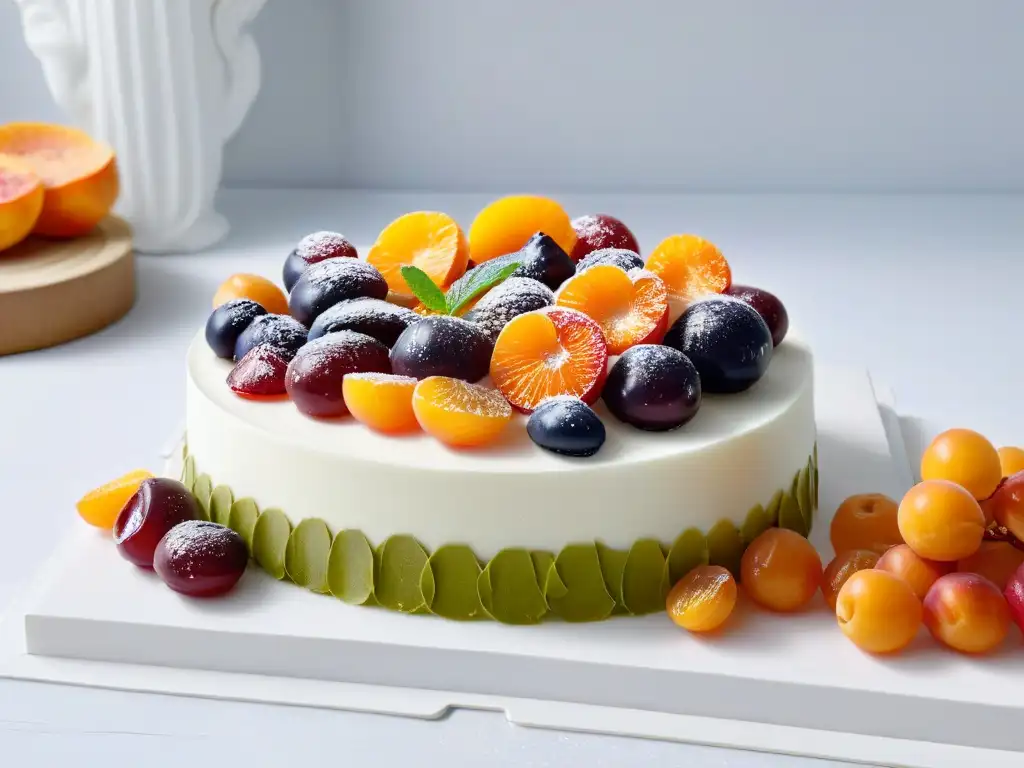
{"x":101,"y":506}
{"x":918,"y":572}
{"x":380,"y":319}
{"x":841,"y":569}
{"x":967,"y":613}
{"x":441,"y":345}
{"x":381,"y":401}
{"x":865,"y":521}
{"x":508,"y":223}
{"x":654,"y":388}
{"x":691,"y":267}
{"x":315,"y":376}
{"x":768,"y":306}
{"x":599,"y":231}
{"x":616,"y":257}
{"x":430,"y":240}
{"x":703,"y":599}
{"x":878,"y":611}
{"x":1014,"y":594}
{"x":966,"y":458}
{"x":997,"y":561}
{"x":941,"y":520}
{"x":201,"y":559}
{"x":458,"y":413}
{"x":566,"y":425}
{"x":260,"y":373}
{"x":157,"y":506}
{"x":255,"y":288}
{"x":514,"y":297}
{"x":780,"y":570}
{"x":312,"y":249}
{"x":326,"y":283}
{"x":1007,"y":505}
{"x":282,"y":332}
{"x":1011,"y":460}
{"x":226,"y":324}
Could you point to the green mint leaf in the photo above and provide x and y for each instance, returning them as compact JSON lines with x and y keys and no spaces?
{"x":478,"y":280}
{"x":424,"y":288}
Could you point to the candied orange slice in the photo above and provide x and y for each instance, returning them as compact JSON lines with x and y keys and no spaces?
{"x":255,"y":288}
{"x":690,"y":266}
{"x":432,"y":241}
{"x":101,"y":506}
{"x":21,"y":200}
{"x":458,"y":413}
{"x":381,"y":401}
{"x":506,"y":224}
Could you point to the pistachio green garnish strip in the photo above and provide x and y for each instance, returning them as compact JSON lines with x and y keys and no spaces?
{"x":508,"y":588}
{"x":449,"y":583}
{"x":585,"y":598}
{"x":725,"y":546}
{"x":242,"y":519}
{"x":755,"y":523}
{"x":688,"y":551}
{"x":307,"y":553}
{"x":790,"y":516}
{"x":350,"y":568}
{"x":270,"y":541}
{"x":220,"y":504}
{"x":188,"y":473}
{"x":645,"y":578}
{"x":803,"y":496}
{"x":397,"y":585}
{"x":772,"y":510}
{"x":202,"y":490}
{"x":542,"y":562}
{"x":613,"y":564}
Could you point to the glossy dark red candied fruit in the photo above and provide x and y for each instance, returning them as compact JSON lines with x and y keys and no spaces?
{"x":599,"y":230}
{"x":314,"y":248}
{"x":654,"y":388}
{"x":201,"y":559}
{"x":382,"y":320}
{"x":441,"y":345}
{"x":227,"y":322}
{"x":260,"y":373}
{"x":315,"y":375}
{"x":326,"y":283}
{"x":282,"y":332}
{"x":768,"y":306}
{"x":156,"y":507}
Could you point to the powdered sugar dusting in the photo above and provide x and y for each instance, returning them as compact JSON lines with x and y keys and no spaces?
{"x":318,"y":246}
{"x":380,"y":319}
{"x":622,"y":258}
{"x":260,"y":372}
{"x":384,"y":379}
{"x":334,"y":273}
{"x":650,"y":362}
{"x":198,"y":548}
{"x":283,"y":332}
{"x":514,"y":297}
{"x":476,"y":399}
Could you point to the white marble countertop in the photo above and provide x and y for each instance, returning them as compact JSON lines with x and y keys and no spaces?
{"x":923,"y":291}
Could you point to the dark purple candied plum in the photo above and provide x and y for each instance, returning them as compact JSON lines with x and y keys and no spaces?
{"x":259,"y":374}
{"x":226,"y":324}
{"x":282,"y":332}
{"x":158,"y":505}
{"x":726,"y":339}
{"x":381,"y":319}
{"x":201,"y":559}
{"x":511,"y":298}
{"x":618,"y":257}
{"x":315,"y":375}
{"x":312,"y":249}
{"x":768,"y":306}
{"x":440,"y":345}
{"x":567,"y":426}
{"x":653,"y":387}
{"x":541,"y":259}
{"x":599,"y":230}
{"x":323,"y":285}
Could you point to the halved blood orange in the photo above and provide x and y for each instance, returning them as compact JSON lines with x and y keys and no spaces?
{"x":432,"y":241}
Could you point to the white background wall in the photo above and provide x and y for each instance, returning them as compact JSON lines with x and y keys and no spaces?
{"x":905,"y":95}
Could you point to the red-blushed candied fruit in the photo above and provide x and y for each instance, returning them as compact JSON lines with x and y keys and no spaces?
{"x":430,"y":240}
{"x":507,"y":224}
{"x":703,"y":599}
{"x":865,"y":521}
{"x":595,"y":231}
{"x":255,"y":288}
{"x":201,"y":559}
{"x":966,"y":612}
{"x":941,"y":520}
{"x":878,"y":611}
{"x":381,"y":401}
{"x":841,"y":569}
{"x":768,"y":306}
{"x":1014,"y":594}
{"x":1007,"y":505}
{"x":631,"y":308}
{"x":458,"y":413}
{"x":964,"y":457}
{"x":315,"y":375}
{"x":157,"y":506}
{"x":997,"y":561}
{"x":918,"y":572}
{"x":259,"y":374}
{"x":547,"y":352}
{"x":690,"y":266}
{"x":1011,"y":460}
{"x":780,"y":570}
{"x":101,"y":506}
{"x":312,"y":249}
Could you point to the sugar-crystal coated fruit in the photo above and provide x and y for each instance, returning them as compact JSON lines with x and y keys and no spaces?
{"x":596,"y":231}
{"x":261,"y":373}
{"x":703,"y":599}
{"x":654,"y":388}
{"x":374,"y":317}
{"x":619,"y":257}
{"x":726,"y":340}
{"x":941,"y":520}
{"x":865,"y":521}
{"x":511,"y":298}
{"x":878,"y":611}
{"x":429,"y":240}
{"x":841,"y":569}
{"x":1007,"y":505}
{"x":997,"y":561}
{"x":282,"y":332}
{"x":547,"y":352}
{"x":541,"y":259}
{"x":201,"y":559}
{"x":312,"y":249}
{"x":768,"y":306}
{"x":918,"y":572}
{"x":158,"y":505}
{"x":1011,"y":460}
{"x":227,"y":322}
{"x":566,"y":425}
{"x":507,"y":224}
{"x":255,"y":288}
{"x":101,"y":506}
{"x":964,"y":457}
{"x":780,"y":570}
{"x":381,"y":401}
{"x":1014,"y":594}
{"x":691,"y":267}
{"x":441,"y":345}
{"x":316,"y":375}
{"x":460,"y":414}
{"x":326,"y":283}
{"x":966,"y":612}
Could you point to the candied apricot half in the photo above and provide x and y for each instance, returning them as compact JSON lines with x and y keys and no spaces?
{"x":550,"y":351}
{"x":79,"y":175}
{"x":381,"y":401}
{"x":703,"y":599}
{"x":631,"y":308}
{"x":21,"y":200}
{"x":690,"y":266}
{"x":430,"y":240}
{"x":255,"y":288}
{"x":101,"y":506}
{"x":458,"y":413}
{"x":781,"y":570}
{"x":505,"y":225}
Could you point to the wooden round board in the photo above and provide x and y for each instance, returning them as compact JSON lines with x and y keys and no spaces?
{"x":53,"y":291}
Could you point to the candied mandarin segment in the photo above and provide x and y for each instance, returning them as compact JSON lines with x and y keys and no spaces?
{"x":458,"y":413}
{"x":101,"y":506}
{"x":918,"y":572}
{"x":878,"y":611}
{"x":430,"y":240}
{"x":1007,"y":505}
{"x":865,"y":521}
{"x":841,"y":569}
{"x":780,"y":570}
{"x":997,"y":561}
{"x":255,"y":288}
{"x":508,"y":223}
{"x":547,"y":352}
{"x":966,"y":612}
{"x":690,"y":266}
{"x":703,"y":599}
{"x":381,"y":401}
{"x":964,"y":457}
{"x":630,"y":308}
{"x":1011,"y":460}
{"x":941,"y":520}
